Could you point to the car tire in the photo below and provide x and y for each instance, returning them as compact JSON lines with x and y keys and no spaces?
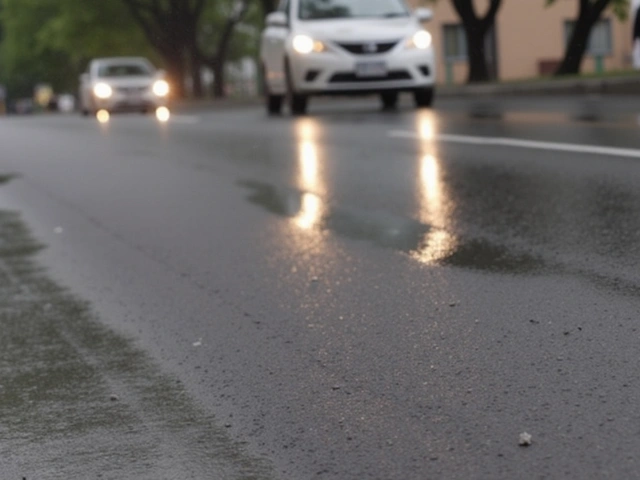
{"x":84,"y":111}
{"x":389,"y":100}
{"x":272,"y":102}
{"x":297,"y":103}
{"x":423,"y":97}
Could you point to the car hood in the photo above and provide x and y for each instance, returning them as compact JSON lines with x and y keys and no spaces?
{"x":359,"y":30}
{"x":127,"y":82}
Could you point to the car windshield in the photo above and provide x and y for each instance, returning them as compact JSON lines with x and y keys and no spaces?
{"x":325,"y":9}
{"x":124,"y":70}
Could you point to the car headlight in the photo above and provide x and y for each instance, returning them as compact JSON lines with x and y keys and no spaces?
{"x":160,"y":88}
{"x":102,"y":90}
{"x":304,"y":45}
{"x":420,"y":40}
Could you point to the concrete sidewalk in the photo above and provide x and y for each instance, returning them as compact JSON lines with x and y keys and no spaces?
{"x":623,"y":85}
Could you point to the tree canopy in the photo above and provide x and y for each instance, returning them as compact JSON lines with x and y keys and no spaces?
{"x":52,"y":40}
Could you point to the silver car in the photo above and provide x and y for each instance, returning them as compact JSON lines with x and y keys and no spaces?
{"x":342,"y":47}
{"x":122,"y":84}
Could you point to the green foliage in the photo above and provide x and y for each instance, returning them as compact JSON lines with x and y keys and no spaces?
{"x":51,"y":41}
{"x":93,"y":29}
{"x":620,"y":8}
{"x":245,"y":39}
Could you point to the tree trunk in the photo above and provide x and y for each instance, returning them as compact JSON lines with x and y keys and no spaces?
{"x":176,"y":72}
{"x":588,"y":15}
{"x":219,"y":78}
{"x":196,"y":74}
{"x":171,"y":28}
{"x":219,"y":61}
{"x":576,"y":49}
{"x":476,"y":29}
{"x":478,"y":68}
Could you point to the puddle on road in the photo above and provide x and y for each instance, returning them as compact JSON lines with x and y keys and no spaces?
{"x":399,"y":233}
{"x":79,"y":401}
{"x":6,"y":178}
{"x":482,"y":255}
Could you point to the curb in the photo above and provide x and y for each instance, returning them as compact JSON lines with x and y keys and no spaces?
{"x":610,"y":86}
{"x":628,"y":85}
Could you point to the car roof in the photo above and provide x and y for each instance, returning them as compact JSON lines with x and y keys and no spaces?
{"x":121,"y":60}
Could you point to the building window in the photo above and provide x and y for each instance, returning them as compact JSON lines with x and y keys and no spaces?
{"x":600,"y":41}
{"x":455,"y":42}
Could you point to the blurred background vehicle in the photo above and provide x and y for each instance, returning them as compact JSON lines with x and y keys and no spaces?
{"x":122,"y":84}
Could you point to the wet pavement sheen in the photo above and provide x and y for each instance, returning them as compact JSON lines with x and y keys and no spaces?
{"x":79,"y":401}
{"x":376,"y":299}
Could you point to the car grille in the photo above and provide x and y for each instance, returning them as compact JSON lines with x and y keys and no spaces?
{"x":348,"y":77}
{"x":131,"y":90}
{"x":369,"y":48}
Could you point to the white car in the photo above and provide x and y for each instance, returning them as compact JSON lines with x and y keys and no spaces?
{"x":122,"y":84}
{"x":337,"y":47}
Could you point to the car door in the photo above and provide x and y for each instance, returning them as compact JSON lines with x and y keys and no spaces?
{"x":273,"y":44}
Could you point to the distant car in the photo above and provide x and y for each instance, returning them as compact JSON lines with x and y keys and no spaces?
{"x":122,"y":84}
{"x":320,"y":47}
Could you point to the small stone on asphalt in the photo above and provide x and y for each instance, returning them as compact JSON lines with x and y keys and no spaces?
{"x":525,"y":439}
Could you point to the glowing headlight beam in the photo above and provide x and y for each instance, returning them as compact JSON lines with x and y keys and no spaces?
{"x":102,"y":90}
{"x":420,"y":40}
{"x":304,"y":45}
{"x":160,"y":88}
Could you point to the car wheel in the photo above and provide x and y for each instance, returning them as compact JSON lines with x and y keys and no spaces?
{"x":297,"y":103}
{"x":272,"y":102}
{"x":389,"y":100}
{"x":84,"y":111}
{"x":423,"y":97}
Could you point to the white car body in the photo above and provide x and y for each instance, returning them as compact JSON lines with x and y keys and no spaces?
{"x":366,"y":47}
{"x":122,"y":84}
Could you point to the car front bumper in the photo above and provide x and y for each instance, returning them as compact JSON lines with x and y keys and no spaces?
{"x":129,"y":101}
{"x":342,"y":73}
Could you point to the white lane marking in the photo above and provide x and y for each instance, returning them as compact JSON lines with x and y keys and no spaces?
{"x":519,"y":143}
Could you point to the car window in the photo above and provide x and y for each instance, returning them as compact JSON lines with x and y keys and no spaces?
{"x":323,"y":9}
{"x":124,"y":70}
{"x":284,"y":6}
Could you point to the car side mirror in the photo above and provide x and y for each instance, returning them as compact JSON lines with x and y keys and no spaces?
{"x":277,"y":19}
{"x":423,"y":14}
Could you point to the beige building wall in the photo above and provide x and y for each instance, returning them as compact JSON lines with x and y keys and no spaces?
{"x":528,"y":35}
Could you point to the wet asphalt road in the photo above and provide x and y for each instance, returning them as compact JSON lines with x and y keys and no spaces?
{"x":355,"y":294}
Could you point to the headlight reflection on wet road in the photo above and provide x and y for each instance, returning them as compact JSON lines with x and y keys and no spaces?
{"x":103,"y":116}
{"x":308,"y":178}
{"x":433,"y":199}
{"x":162,"y":114}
